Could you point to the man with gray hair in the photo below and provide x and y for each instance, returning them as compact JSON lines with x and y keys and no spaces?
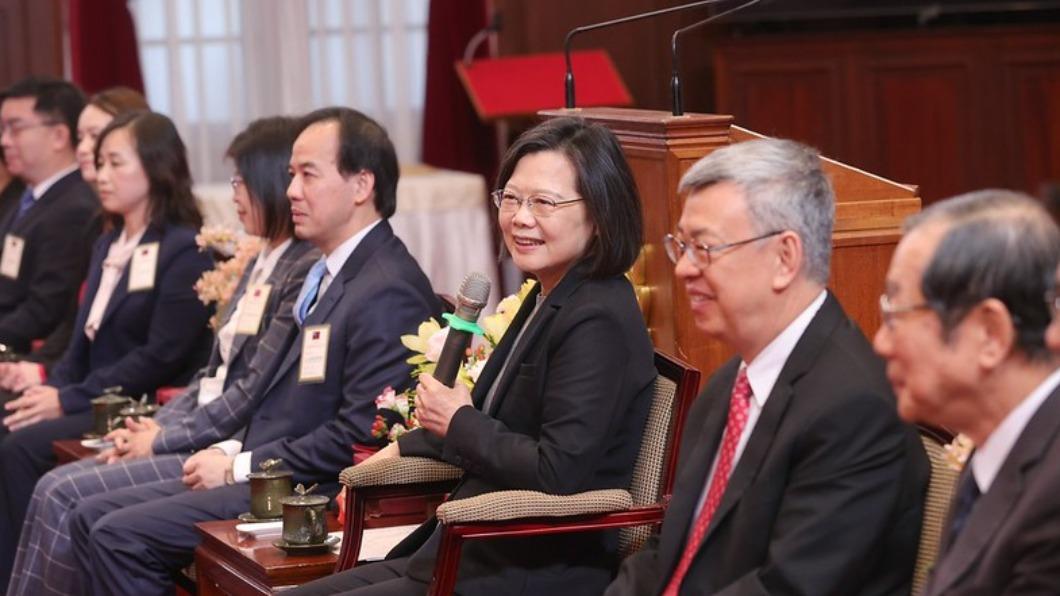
{"x":968,"y":300}
{"x":795,"y":475}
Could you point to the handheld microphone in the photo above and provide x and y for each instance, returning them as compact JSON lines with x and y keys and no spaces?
{"x":569,"y":81}
{"x":470,"y":300}
{"x":675,"y":78}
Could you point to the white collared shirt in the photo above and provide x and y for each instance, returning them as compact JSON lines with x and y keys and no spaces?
{"x":47,"y":183}
{"x":988,"y":459}
{"x":210,"y":388}
{"x":762,"y":375}
{"x":334,"y":263}
{"x":118,"y":256}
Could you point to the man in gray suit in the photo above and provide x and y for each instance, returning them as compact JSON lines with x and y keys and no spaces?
{"x":964,"y":322}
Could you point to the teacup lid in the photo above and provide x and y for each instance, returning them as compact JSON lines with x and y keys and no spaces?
{"x":269,"y":470}
{"x":112,"y":395}
{"x":304,"y":498}
{"x":139,"y":410}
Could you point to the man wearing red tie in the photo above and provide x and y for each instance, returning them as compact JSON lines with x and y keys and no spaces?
{"x":795,"y":474}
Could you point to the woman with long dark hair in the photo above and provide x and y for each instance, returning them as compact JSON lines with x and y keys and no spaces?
{"x":140,"y":325}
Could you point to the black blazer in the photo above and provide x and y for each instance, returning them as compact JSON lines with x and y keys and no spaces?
{"x":1009,"y":544}
{"x":148,"y":338}
{"x":380,"y":294}
{"x":58,"y":232}
{"x":826,"y":497}
{"x":567,"y":417}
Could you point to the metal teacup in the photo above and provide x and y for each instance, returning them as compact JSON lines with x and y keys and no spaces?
{"x":138,"y":411}
{"x":106,"y":412}
{"x":267,"y":488}
{"x":304,"y":521}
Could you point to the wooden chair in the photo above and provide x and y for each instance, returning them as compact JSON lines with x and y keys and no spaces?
{"x":637,"y":510}
{"x":936,"y":502}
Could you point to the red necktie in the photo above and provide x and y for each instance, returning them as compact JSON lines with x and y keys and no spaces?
{"x":738,"y":404}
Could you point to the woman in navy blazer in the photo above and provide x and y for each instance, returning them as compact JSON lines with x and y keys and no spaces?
{"x":140,"y":325}
{"x":560,"y":406}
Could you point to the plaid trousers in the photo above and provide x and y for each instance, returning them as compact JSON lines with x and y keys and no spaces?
{"x":44,"y":562}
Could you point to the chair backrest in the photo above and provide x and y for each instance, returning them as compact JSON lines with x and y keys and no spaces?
{"x":936,"y":503}
{"x":653,"y":473}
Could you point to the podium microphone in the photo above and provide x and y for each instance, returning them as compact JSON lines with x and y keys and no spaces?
{"x":675,"y":78}
{"x":569,"y":82}
{"x":470,"y":300}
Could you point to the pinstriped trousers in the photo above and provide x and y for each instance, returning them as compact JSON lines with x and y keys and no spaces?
{"x":45,"y":562}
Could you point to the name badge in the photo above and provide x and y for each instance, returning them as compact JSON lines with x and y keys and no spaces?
{"x":314,"y":361}
{"x":11,"y":262}
{"x":252,"y":309}
{"x":143,"y":267}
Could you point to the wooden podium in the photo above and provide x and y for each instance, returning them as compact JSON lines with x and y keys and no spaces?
{"x":660,"y":147}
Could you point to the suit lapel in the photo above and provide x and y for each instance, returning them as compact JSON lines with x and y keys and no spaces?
{"x":500,"y":354}
{"x":993,"y":507}
{"x":121,"y":291}
{"x":95,"y":274}
{"x":238,"y":339}
{"x":803,"y":357}
{"x":42,"y":205}
{"x":380,"y":235}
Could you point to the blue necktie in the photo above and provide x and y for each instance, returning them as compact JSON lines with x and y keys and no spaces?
{"x":24,"y":203}
{"x":310,"y":288}
{"x":967,"y":495}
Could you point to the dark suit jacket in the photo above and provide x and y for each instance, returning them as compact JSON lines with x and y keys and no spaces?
{"x":826,"y":497}
{"x":286,"y":281}
{"x":1010,"y":543}
{"x":148,"y":338}
{"x":380,"y":294}
{"x":58,"y":232}
{"x":568,"y":417}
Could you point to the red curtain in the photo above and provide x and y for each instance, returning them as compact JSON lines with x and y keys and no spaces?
{"x":453,"y":136}
{"x":103,"y":45}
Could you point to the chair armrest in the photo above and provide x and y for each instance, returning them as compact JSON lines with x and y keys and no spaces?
{"x":398,"y":470}
{"x":517,"y":504}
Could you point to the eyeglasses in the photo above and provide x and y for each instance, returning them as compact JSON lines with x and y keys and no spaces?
{"x":1052,"y":300}
{"x":237,"y":181}
{"x":16,"y":128}
{"x":890,"y":312}
{"x":701,"y":254}
{"x":539,"y":205}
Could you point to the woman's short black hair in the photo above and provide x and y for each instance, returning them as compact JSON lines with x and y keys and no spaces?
{"x":262,"y":154}
{"x":363,"y":146}
{"x":164,"y":161}
{"x":604,"y":181}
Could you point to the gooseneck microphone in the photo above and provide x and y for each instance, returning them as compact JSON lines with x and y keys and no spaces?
{"x":569,"y":82}
{"x":470,"y":300}
{"x":675,"y":79}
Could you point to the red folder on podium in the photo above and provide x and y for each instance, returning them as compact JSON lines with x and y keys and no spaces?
{"x":524,"y":85}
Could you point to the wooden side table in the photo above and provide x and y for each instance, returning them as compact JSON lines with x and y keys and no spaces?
{"x":230,"y":564}
{"x":69,"y":450}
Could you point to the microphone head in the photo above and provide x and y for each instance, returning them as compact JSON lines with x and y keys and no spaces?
{"x":474,"y":291}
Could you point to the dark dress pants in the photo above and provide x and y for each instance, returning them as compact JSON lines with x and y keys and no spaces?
{"x":25,"y":456}
{"x":132,"y":541}
{"x":385,"y":578}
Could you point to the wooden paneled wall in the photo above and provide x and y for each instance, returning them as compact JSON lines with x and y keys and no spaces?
{"x":951,"y":111}
{"x":30,"y":39}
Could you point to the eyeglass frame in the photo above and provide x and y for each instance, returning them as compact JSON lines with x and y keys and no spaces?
{"x":889,"y":313}
{"x":1052,"y":302}
{"x":236,"y":181}
{"x":542,"y":199}
{"x":15,"y":131}
{"x":687,"y":247}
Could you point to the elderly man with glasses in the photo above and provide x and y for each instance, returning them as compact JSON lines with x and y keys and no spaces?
{"x":964,"y":337}
{"x":795,"y":474}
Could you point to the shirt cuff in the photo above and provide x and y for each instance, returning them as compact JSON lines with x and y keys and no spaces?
{"x":241,"y":466}
{"x":230,"y":447}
